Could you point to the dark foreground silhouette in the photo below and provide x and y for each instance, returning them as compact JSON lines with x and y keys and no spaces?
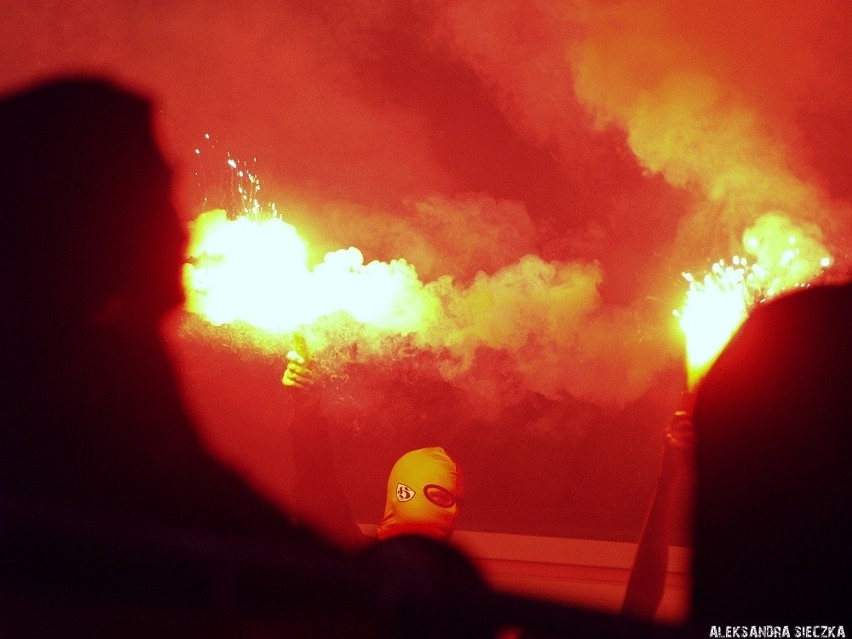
{"x":773,"y":426}
{"x":114,"y":519}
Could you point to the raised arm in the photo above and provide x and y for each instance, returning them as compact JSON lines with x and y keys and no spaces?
{"x":318,"y":496}
{"x":648,"y":575}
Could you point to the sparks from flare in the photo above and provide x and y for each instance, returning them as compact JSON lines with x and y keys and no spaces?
{"x":244,"y":182}
{"x":715,"y":307}
{"x":251,"y":270}
{"x":720,"y":301}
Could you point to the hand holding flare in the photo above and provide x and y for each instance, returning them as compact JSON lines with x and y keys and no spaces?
{"x":680,"y":432}
{"x":646,"y":585}
{"x":297,"y":374}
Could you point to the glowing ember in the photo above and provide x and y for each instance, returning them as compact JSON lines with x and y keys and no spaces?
{"x":716,"y":305}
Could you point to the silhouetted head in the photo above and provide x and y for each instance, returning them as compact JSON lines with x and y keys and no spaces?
{"x":87,"y":226}
{"x":421,"y":588}
{"x":773,"y":422}
{"x":423,"y":493}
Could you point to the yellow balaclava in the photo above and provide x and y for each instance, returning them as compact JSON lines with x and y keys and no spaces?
{"x":424,"y":490}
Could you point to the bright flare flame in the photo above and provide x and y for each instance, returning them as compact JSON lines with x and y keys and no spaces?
{"x":253,"y":270}
{"x":715,"y":307}
{"x":717,"y":304}
{"x":247,"y":270}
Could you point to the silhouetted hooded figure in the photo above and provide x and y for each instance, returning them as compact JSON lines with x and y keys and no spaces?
{"x":773,"y":429}
{"x":106,"y":491}
{"x":92,"y":249}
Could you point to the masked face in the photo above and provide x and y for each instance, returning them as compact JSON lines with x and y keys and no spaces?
{"x":424,"y":489}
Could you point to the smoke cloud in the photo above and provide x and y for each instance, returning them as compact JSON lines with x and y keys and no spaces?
{"x":464,"y":136}
{"x":547,"y":169}
{"x":710,"y":99}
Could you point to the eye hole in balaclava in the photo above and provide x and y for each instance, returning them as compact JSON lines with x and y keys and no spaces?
{"x":424,"y":489}
{"x":439,"y":496}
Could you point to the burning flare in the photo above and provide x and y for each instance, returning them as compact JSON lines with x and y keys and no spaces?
{"x":253,"y":270}
{"x":248,"y":273}
{"x":717,"y":304}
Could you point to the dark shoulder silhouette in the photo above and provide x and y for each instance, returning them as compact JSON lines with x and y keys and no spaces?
{"x":92,"y":249}
{"x":109,"y":501}
{"x":773,"y":432}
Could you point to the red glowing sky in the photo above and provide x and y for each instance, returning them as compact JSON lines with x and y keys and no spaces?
{"x":464,"y":135}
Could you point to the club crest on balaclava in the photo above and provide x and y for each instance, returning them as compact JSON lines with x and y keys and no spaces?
{"x":424,"y":489}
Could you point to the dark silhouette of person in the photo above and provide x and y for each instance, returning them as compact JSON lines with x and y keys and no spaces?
{"x":114,"y":519}
{"x":112,"y":513}
{"x":773,"y":420}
